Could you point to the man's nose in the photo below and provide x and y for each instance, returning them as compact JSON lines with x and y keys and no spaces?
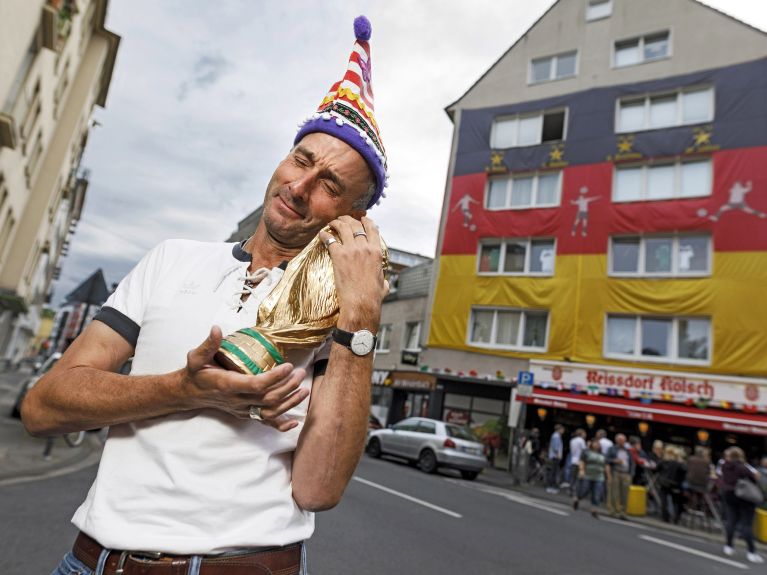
{"x":302,"y":186}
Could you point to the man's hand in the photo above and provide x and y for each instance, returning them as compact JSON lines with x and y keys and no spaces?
{"x":359,"y":278}
{"x":275,"y":392}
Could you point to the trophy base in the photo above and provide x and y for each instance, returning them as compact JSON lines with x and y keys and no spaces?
{"x":248,"y":351}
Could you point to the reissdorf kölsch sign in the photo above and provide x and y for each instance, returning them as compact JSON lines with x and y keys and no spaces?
{"x":714,"y":391}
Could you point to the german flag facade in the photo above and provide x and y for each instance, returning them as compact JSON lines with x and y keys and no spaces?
{"x":632,"y":232}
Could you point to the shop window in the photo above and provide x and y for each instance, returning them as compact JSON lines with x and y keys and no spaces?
{"x":667,"y":339}
{"x":553,"y":67}
{"x":517,"y":257}
{"x":662,"y":181}
{"x":677,"y":255}
{"x":642,"y":49}
{"x":504,"y":328}
{"x":680,"y":108}
{"x":528,"y":129}
{"x":524,"y":191}
{"x":384,"y":338}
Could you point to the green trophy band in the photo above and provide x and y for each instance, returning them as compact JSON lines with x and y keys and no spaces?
{"x":299,"y":312}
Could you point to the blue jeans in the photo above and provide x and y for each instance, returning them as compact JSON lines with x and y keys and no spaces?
{"x":591,"y":487}
{"x":71,"y":565}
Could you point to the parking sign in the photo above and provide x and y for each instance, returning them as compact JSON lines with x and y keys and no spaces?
{"x":525,"y":383}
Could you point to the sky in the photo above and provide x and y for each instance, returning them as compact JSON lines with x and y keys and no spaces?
{"x":206,"y":97}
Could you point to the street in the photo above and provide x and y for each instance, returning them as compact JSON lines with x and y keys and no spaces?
{"x":395,"y":519}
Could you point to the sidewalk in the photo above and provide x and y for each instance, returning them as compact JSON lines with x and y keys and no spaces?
{"x":21,"y":455}
{"x":503,"y":479}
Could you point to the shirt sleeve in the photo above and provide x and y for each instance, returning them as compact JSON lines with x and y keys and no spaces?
{"x":321,"y":358}
{"x":124,"y":309}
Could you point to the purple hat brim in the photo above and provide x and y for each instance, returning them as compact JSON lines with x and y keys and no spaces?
{"x":351,"y":136}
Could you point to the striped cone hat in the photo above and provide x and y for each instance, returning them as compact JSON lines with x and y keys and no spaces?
{"x":347,"y":111}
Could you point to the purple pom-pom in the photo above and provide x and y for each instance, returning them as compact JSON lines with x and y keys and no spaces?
{"x":362,"y":28}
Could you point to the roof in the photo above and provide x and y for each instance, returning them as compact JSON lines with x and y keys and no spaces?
{"x":92,"y":291}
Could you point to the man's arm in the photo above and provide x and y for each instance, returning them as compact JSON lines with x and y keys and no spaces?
{"x":82,"y":392}
{"x":334,"y":432}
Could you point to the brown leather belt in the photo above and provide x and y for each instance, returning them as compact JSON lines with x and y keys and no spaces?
{"x":276,"y":561}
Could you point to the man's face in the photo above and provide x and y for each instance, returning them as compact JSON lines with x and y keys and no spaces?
{"x":319,"y":180}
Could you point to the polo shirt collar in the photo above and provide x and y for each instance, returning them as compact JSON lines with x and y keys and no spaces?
{"x":239,"y":253}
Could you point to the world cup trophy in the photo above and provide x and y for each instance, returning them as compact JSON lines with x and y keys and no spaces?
{"x":299,"y":312}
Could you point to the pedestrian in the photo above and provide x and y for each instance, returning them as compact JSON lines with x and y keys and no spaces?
{"x":555,"y":459}
{"x":762,"y":469}
{"x":592,"y":471}
{"x":604,"y":443}
{"x":740,"y":511}
{"x":201,"y":460}
{"x":640,"y":459}
{"x":656,"y":453}
{"x":698,"y":481}
{"x":621,"y":471}
{"x":577,"y":447}
{"x":671,"y":475}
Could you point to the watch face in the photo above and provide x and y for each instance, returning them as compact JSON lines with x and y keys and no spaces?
{"x":362,"y":342}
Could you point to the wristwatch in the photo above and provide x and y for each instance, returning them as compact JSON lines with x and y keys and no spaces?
{"x":360,"y":342}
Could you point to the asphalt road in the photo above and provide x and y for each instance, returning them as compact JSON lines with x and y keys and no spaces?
{"x":395,"y":519}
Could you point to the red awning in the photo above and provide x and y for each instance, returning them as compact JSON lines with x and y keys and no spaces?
{"x":721,"y":420}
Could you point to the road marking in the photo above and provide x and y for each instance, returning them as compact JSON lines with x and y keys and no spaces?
{"x":625,"y":523}
{"x":694,"y":551}
{"x":409,"y":498}
{"x":522,"y":500}
{"x":90,"y":460}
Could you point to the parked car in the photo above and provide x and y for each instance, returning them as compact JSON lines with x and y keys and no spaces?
{"x":29,"y":382}
{"x":431,"y":444}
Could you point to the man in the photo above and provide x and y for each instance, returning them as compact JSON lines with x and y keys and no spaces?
{"x":201,"y":461}
{"x":555,"y":458}
{"x":577,"y":447}
{"x":604,"y":442}
{"x":621,"y":472}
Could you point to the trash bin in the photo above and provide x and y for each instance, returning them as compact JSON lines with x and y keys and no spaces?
{"x":760,"y":525}
{"x":637,"y":501}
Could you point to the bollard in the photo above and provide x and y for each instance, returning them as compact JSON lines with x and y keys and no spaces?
{"x":637,"y":501}
{"x":760,"y":525}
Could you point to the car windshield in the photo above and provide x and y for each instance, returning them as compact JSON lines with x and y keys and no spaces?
{"x":460,"y":432}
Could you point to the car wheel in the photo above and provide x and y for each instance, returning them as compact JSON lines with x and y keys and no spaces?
{"x":470,"y":475}
{"x":427,"y":461}
{"x":374,"y":448}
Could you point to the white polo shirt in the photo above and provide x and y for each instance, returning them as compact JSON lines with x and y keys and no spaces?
{"x":199,"y":481}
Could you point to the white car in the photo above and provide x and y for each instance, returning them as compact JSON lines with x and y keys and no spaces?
{"x":432,"y":444}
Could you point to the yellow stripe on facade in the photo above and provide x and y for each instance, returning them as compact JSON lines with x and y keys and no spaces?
{"x":734,"y":297}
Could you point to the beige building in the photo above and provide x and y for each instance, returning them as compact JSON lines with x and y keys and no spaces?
{"x":56,"y":65}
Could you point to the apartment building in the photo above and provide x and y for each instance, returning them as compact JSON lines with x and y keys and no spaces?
{"x":56,"y":65}
{"x":604,"y":225}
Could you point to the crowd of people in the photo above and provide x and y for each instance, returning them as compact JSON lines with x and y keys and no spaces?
{"x":677,"y":481}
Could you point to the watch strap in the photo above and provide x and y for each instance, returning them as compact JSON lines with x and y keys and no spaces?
{"x":341,"y":336}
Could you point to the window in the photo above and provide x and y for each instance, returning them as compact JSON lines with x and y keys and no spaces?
{"x":505,"y":328}
{"x":527,"y":129}
{"x":681,"y":108}
{"x":412,"y":336}
{"x":678,"y":340}
{"x":685,"y":255}
{"x":519,"y":256}
{"x":384,"y":338}
{"x":5,"y":231}
{"x":643,"y":49}
{"x":427,"y":427}
{"x":541,"y":190}
{"x":406,"y":425}
{"x":597,"y":9}
{"x":662,"y":181}
{"x":553,"y":67}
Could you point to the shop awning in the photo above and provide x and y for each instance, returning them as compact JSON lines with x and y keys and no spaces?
{"x":717,"y":419}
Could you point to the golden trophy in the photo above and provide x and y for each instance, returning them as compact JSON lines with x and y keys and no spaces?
{"x":299,"y":312}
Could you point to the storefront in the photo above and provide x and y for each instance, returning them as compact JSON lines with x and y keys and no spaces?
{"x":686,"y":409}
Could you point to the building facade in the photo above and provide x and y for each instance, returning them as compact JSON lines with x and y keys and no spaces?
{"x":56,"y":66}
{"x":604,"y":225}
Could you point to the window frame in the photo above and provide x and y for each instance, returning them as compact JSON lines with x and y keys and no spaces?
{"x":384,"y":328}
{"x":516,"y":117}
{"x":678,"y":93}
{"x":589,"y":3}
{"x":502,"y":242}
{"x":673,"y":357}
{"x":418,"y":336}
{"x":552,"y":75}
{"x":520,"y":175}
{"x":641,"y":45}
{"x":641,"y":264}
{"x":520,"y":331}
{"x":646,"y":166}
